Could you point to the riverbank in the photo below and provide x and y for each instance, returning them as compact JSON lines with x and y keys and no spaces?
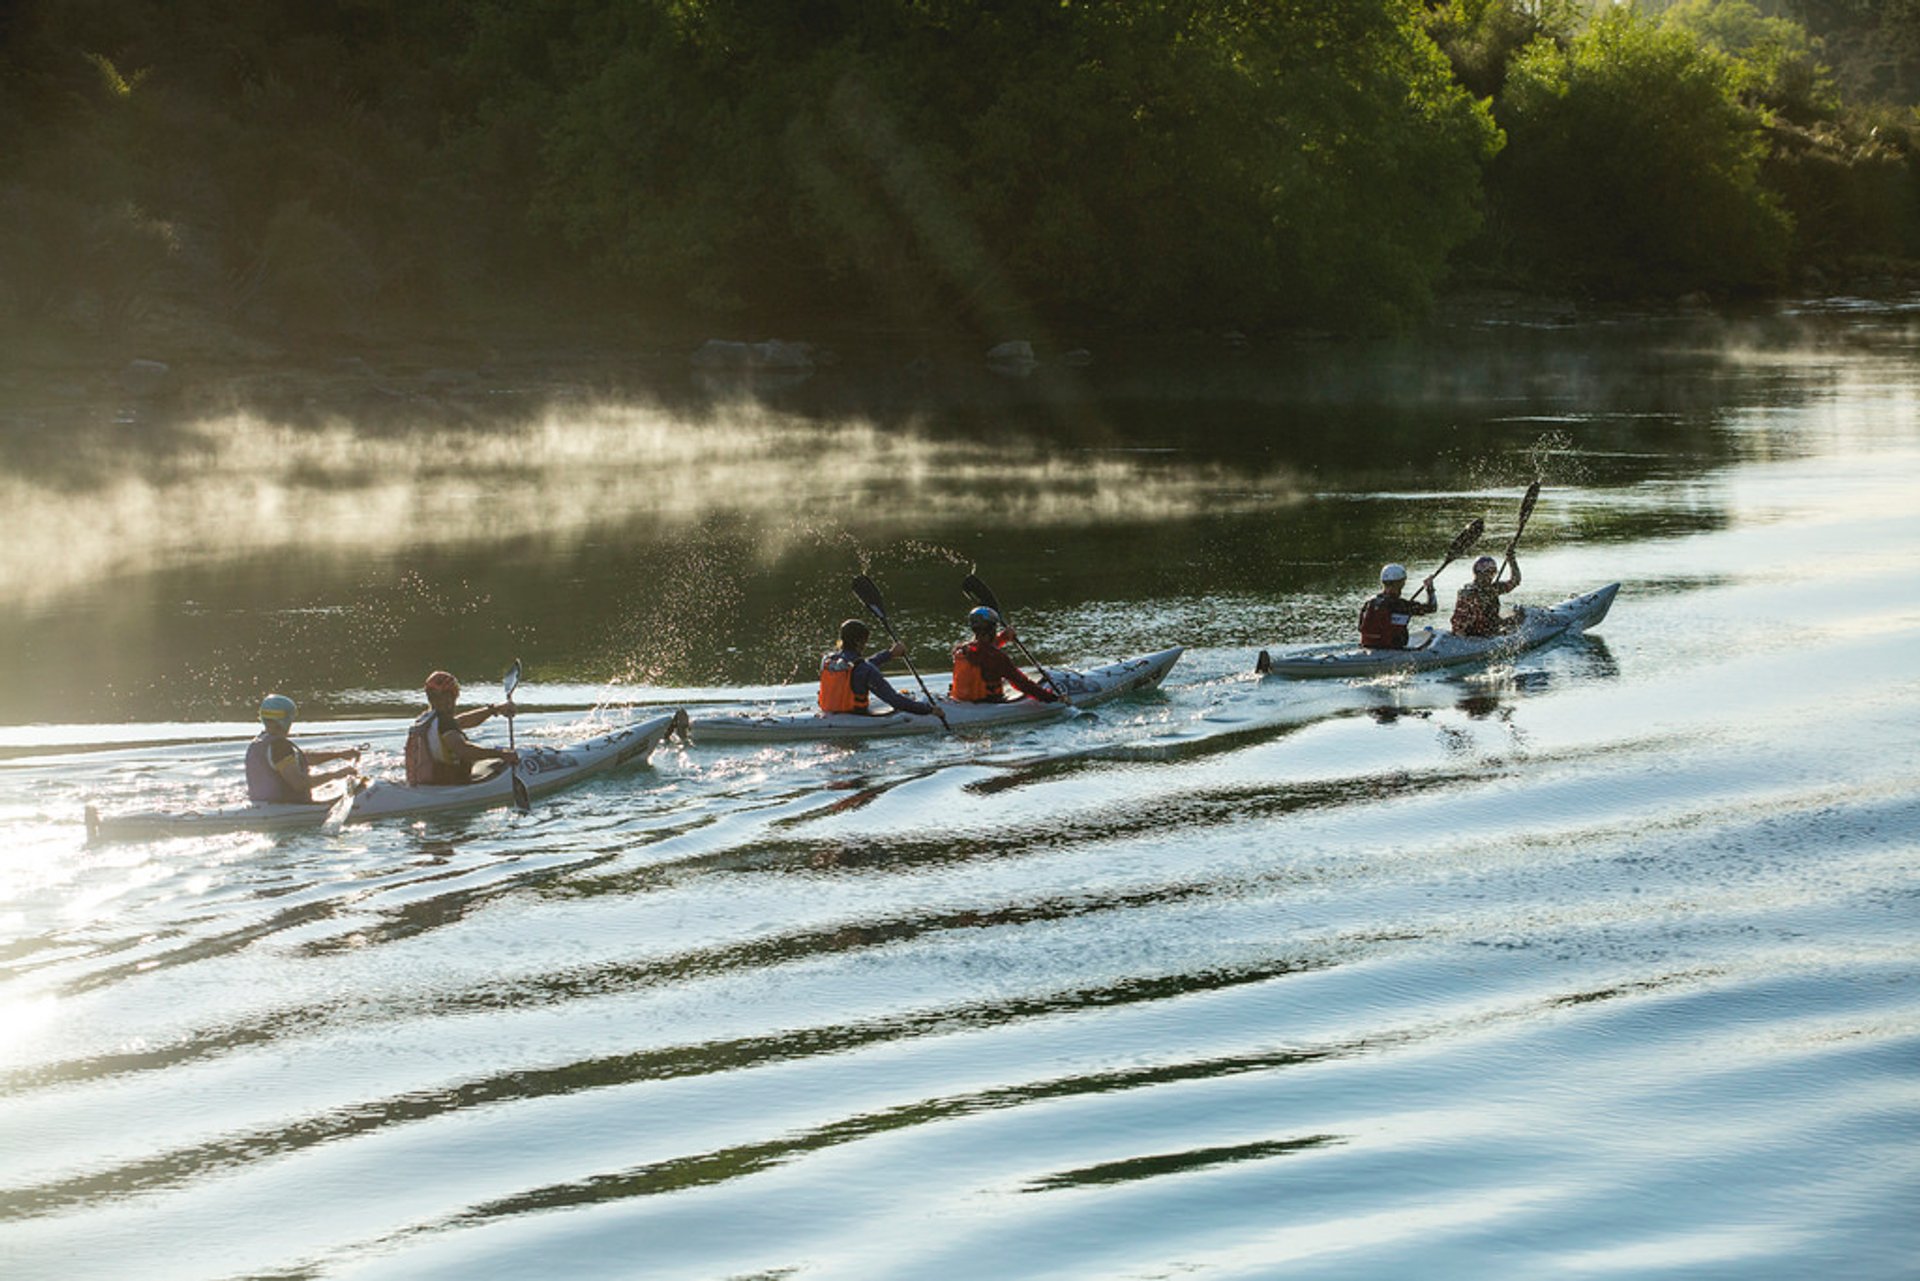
{"x":481,"y":364}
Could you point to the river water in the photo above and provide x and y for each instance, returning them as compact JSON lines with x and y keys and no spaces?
{"x":1600,"y":962}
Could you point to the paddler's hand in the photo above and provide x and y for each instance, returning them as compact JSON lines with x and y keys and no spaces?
{"x":506,"y":709}
{"x":508,"y":755}
{"x":899,"y":649}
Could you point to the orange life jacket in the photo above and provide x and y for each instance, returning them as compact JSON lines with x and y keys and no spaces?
{"x":836,"y":684}
{"x":970,"y":684}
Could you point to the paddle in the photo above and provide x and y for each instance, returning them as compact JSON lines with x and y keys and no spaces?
{"x":521,"y":801}
{"x":870,"y":597}
{"x":1526,"y":510}
{"x":1462,"y":543}
{"x":983,"y":594}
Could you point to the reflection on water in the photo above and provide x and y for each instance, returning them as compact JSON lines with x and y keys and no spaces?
{"x":1599,"y":959}
{"x":181,"y":565}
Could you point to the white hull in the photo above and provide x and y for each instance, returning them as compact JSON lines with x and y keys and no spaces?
{"x":1083,"y":689}
{"x":1431,"y":648}
{"x":543,"y":769}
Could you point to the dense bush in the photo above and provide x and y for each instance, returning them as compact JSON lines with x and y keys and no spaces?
{"x":312,"y":166}
{"x":1633,"y":166}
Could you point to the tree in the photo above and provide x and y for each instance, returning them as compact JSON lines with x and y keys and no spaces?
{"x":1632,"y":166}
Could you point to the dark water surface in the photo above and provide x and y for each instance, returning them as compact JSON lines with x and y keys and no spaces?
{"x":1597,"y":963}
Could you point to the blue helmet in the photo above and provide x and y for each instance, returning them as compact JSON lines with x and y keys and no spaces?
{"x":277,"y":709}
{"x":982,"y":619}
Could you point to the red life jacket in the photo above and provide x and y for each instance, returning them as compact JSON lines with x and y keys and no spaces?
{"x":970,"y":684}
{"x":1382,"y":625}
{"x":427,"y":763}
{"x":836,"y":684}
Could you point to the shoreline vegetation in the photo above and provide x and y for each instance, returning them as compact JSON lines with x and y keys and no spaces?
{"x":395,"y":195}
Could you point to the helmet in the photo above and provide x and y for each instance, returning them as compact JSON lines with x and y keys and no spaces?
{"x":1393,"y":573}
{"x":442,"y":683}
{"x":277,"y":709}
{"x":982,"y":619}
{"x":1485,"y":565}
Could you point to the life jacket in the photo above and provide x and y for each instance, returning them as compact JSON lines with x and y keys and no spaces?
{"x":970,"y":684}
{"x":267,"y":785}
{"x":836,"y":684}
{"x":1476,"y":611}
{"x":1382,"y":625}
{"x":428,"y":761}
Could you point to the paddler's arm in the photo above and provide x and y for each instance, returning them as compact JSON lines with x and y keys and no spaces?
{"x":1413,"y":604}
{"x":879,"y":687}
{"x":1008,"y":670}
{"x":334,"y":754}
{"x":467,"y":720}
{"x":470,"y":754}
{"x":1508,"y":584}
{"x":293,"y":770}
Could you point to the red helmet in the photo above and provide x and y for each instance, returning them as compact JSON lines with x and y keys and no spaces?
{"x":442,"y":683}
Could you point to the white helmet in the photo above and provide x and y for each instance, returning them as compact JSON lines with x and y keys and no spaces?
{"x":1393,"y":573}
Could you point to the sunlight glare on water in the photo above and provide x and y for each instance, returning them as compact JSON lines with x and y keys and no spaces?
{"x":1591,"y":961}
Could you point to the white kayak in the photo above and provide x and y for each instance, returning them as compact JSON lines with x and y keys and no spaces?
{"x":1082,"y":689}
{"x":542,"y":769}
{"x":1430,"y":648}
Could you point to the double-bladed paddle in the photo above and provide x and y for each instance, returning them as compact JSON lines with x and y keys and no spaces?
{"x":1526,"y":510}
{"x":870,"y":597}
{"x":521,"y":801}
{"x":1462,"y":544}
{"x":983,"y":594}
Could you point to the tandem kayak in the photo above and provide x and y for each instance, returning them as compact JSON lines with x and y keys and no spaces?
{"x":1082,"y":689}
{"x":542,"y":769}
{"x":1430,"y":648}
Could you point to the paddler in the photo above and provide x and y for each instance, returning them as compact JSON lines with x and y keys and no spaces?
{"x":278,"y":770}
{"x":1384,"y":618}
{"x":438,"y":752}
{"x":1476,"y":611}
{"x":848,"y":681}
{"x":981,"y":668}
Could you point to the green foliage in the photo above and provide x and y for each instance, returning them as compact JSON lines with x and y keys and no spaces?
{"x":1481,"y":37}
{"x":315,"y":165}
{"x":1632,"y":166}
{"x":1150,"y":163}
{"x":1775,"y":65}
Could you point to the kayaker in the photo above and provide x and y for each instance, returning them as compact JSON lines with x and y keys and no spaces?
{"x":1476,"y":611}
{"x":1384,"y":618}
{"x":981,"y":669}
{"x":847,"y":680}
{"x":278,"y":770}
{"x":438,"y":752}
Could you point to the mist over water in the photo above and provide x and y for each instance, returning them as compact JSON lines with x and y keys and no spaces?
{"x":1595,"y":962}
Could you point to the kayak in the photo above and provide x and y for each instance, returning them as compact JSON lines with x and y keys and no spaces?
{"x":1429,"y":648}
{"x":160,"y":824}
{"x":542,"y":769}
{"x":1082,"y":689}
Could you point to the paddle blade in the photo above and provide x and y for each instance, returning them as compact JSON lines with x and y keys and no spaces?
{"x":981,"y":593}
{"x":1526,"y":506}
{"x":870,"y":596}
{"x":521,"y":801}
{"x":1466,"y":538}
